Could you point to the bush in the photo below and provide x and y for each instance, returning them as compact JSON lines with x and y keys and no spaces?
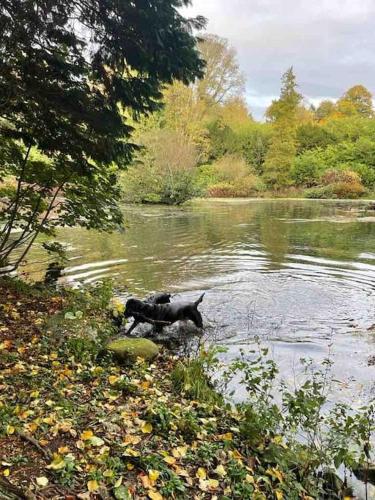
{"x":307,"y":168}
{"x":233,"y":179}
{"x":164,"y":170}
{"x":240,"y":188}
{"x":338,"y":184}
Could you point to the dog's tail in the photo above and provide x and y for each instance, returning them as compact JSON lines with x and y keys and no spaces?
{"x":197,"y":302}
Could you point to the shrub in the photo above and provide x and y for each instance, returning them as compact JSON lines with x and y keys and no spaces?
{"x":338,"y":184}
{"x":164,"y":170}
{"x":240,"y":188}
{"x":307,"y":168}
{"x":234,"y":179}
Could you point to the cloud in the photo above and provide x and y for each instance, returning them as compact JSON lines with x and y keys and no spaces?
{"x":330,"y":44}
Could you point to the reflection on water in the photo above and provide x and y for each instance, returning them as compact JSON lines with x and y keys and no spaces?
{"x":298,"y":274}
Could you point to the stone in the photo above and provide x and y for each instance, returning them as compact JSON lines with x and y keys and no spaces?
{"x":130,"y":349}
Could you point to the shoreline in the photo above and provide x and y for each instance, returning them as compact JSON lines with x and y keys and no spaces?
{"x":86,"y":425}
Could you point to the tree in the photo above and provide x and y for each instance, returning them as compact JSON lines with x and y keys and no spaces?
{"x":325,"y":109}
{"x":223,"y":78}
{"x":357,"y":100}
{"x":72,"y":76}
{"x":283,"y":116}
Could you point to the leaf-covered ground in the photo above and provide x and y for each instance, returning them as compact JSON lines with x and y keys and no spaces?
{"x":74,"y":424}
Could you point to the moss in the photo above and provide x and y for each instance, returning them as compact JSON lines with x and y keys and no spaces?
{"x":130,"y":349}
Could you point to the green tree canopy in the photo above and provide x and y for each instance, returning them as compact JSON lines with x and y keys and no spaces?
{"x":72,"y":77}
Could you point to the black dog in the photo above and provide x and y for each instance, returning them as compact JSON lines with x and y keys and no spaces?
{"x":161,"y":315}
{"x":157,"y":298}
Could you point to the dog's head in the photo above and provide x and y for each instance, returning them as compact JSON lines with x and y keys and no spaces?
{"x":133,"y":306}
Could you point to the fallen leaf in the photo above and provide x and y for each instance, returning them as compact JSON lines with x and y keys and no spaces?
{"x":86,"y":435}
{"x":201,"y":473}
{"x":42,"y":481}
{"x":92,"y":485}
{"x":169,"y":460}
{"x":153,"y":475}
{"x":220,"y":471}
{"x":146,"y":428}
{"x":154,"y":495}
{"x":57,"y":463}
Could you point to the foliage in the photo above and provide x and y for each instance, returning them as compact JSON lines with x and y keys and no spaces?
{"x":283,"y":115}
{"x":73,"y":75}
{"x":164,"y":170}
{"x":160,"y":429}
{"x":356,"y":100}
{"x":232,"y":177}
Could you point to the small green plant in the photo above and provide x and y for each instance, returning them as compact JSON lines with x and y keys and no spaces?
{"x":193,"y":377}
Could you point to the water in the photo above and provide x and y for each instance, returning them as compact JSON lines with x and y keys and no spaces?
{"x":300,"y":275}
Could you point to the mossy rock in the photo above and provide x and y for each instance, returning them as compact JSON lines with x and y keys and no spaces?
{"x":130,"y":349}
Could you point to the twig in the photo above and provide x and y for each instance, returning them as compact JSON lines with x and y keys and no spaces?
{"x":34,"y":442}
{"x":16,"y":490}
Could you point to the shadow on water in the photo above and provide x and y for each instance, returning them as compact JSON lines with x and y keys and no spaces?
{"x":298,"y":274}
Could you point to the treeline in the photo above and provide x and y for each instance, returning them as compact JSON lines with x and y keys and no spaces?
{"x":204,"y":141}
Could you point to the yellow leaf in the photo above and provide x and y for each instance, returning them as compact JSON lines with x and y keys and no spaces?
{"x":118,"y":482}
{"x":63,"y":450}
{"x":226,"y":437}
{"x":10,"y":429}
{"x":220,"y":471}
{"x":86,"y":435}
{"x":129,"y":439}
{"x":279,"y":495}
{"x":129,"y":452}
{"x":6,"y":472}
{"x":129,"y":466}
{"x":57,"y":463}
{"x":154,"y":495}
{"x":213,"y":484}
{"x":275,"y":473}
{"x":249,"y":479}
{"x":42,"y":481}
{"x":112,"y":379}
{"x":169,"y":460}
{"x":146,"y":428}
{"x":180,"y":451}
{"x":92,"y":485}
{"x":201,"y":473}
{"x":153,"y":475}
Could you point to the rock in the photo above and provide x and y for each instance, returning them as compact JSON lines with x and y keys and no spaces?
{"x":130,"y":349}
{"x":365,"y":473}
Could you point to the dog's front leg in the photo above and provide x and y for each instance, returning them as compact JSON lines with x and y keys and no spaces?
{"x":135,"y":323}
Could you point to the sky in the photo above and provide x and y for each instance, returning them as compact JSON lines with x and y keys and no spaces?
{"x":329,"y":43}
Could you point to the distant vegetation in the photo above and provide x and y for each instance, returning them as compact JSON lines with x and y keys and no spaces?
{"x":204,"y":141}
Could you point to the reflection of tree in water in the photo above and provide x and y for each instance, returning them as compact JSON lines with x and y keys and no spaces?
{"x":167,"y":246}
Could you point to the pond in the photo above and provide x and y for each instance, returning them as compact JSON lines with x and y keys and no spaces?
{"x":298,"y":274}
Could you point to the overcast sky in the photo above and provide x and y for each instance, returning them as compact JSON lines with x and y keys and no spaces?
{"x":330,"y":43}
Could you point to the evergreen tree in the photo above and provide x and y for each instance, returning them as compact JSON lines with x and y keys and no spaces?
{"x":283,"y":116}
